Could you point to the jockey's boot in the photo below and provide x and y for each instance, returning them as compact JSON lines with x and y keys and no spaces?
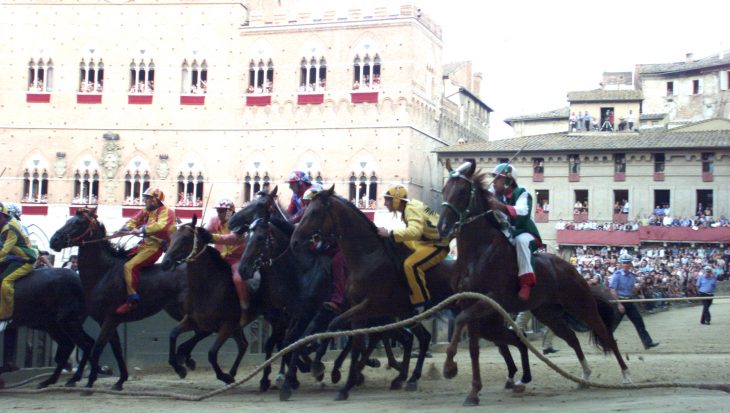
{"x":527,"y":281}
{"x":129,"y":306}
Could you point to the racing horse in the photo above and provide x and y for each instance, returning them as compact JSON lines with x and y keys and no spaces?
{"x":100,"y":271}
{"x":377,"y":287}
{"x":51,"y":300}
{"x":487,"y":264}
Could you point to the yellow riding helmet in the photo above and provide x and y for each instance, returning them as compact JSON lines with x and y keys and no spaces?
{"x":155,"y":193}
{"x":4,"y":210}
{"x":398,"y":193}
{"x":312,"y":192}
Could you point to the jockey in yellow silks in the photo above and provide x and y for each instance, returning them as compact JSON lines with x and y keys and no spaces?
{"x":155,"y":223}
{"x":420,"y":235}
{"x":17,"y":257}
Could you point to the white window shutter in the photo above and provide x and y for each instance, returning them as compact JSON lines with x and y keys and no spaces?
{"x":723,"y":79}
{"x":699,"y":86}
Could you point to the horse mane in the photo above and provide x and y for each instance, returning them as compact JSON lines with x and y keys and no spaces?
{"x":111,"y":249}
{"x":218,"y":261}
{"x":481,"y":184}
{"x":285,"y":227}
{"x":354,"y":208}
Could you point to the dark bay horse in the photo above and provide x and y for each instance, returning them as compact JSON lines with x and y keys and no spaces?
{"x":212,"y":304}
{"x":51,"y":300}
{"x":487,"y":264}
{"x":377,"y":287}
{"x":100,"y":270}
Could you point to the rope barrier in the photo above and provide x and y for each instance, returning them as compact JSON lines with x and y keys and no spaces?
{"x":648,"y":300}
{"x":379,"y":329}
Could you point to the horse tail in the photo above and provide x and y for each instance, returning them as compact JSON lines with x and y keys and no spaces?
{"x":609,"y":315}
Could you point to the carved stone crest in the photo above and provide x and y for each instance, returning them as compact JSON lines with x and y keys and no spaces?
{"x":163,"y":170}
{"x":110,"y":156}
{"x":59,"y":168}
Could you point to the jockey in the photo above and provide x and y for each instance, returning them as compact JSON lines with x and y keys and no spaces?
{"x":516,"y":202}
{"x":154,"y":224}
{"x":339,"y":269}
{"x":421,"y":236}
{"x":299,"y":182}
{"x":230,"y":245}
{"x":17,"y":257}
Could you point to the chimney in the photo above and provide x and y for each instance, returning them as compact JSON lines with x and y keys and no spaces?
{"x":690,"y":57}
{"x":476,"y":83}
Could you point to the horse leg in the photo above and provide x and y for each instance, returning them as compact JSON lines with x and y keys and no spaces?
{"x":182,"y":326}
{"x":185,"y":349}
{"x":552,"y":318}
{"x":278,"y":330}
{"x":296,"y":330}
{"x":476,"y":378}
{"x":405,"y":337}
{"x":242,"y":344}
{"x":355,"y":354}
{"x":65,"y":347}
{"x":108,"y":328}
{"x":392,"y":362}
{"x":495,"y":331}
{"x":358,"y":312}
{"x":223,"y":334}
{"x":10,"y":350}
{"x":424,"y":339}
{"x":336,"y":375}
{"x":119,"y":356}
{"x":317,"y":367}
{"x":85,"y":343}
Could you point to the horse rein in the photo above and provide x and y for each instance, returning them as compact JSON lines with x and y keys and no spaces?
{"x":193,"y":254}
{"x":261,"y":261}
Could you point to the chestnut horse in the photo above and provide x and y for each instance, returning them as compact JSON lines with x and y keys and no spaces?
{"x":487,"y":264}
{"x":377,"y":286}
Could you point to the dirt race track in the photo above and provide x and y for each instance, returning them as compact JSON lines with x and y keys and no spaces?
{"x":689,"y":352}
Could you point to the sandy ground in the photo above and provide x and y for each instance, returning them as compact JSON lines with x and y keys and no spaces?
{"x":689,"y":352}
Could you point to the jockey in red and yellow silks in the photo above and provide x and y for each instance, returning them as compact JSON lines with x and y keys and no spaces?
{"x":230,"y":245}
{"x":421,"y":236}
{"x":155,"y":223}
{"x":17,"y":257}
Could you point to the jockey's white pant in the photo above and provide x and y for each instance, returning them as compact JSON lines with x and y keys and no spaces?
{"x":524,"y":255}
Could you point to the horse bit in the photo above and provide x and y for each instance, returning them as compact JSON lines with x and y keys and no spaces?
{"x":463,"y":215}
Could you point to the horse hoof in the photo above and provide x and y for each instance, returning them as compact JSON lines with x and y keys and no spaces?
{"x":396,"y":384}
{"x":226,"y":378}
{"x":341,"y":396}
{"x":450,"y":370}
{"x":181,"y":371}
{"x":526,"y":378}
{"x":118,"y":387}
{"x":264,"y":385}
{"x":319,"y":378}
{"x":509,"y":384}
{"x":280,"y":379}
{"x":471,"y":401}
{"x":42,"y":385}
{"x":70,"y":383}
{"x":374,"y":363}
{"x":412,"y":386}
{"x":581,"y":386}
{"x":295,"y":384}
{"x":336,"y":376}
{"x":519,"y":388}
{"x":190,"y":363}
{"x":285,"y":393}
{"x":317,"y":369}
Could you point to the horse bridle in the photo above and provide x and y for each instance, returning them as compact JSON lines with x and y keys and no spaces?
{"x":89,"y":229}
{"x":261,"y":260}
{"x":194,"y":255}
{"x":463,"y":215}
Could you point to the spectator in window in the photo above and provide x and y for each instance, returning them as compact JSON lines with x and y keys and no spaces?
{"x":356,"y":85}
{"x":572,"y":122}
{"x":580,"y":121}
{"x":250,"y":89}
{"x":587,"y":121}
{"x":626,"y":207}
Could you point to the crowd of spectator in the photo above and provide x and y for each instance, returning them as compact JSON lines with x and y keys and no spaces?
{"x":90,"y":87}
{"x":200,"y":88}
{"x":142,"y":87}
{"x":366,"y":84}
{"x":696,"y":223}
{"x":188,"y":200}
{"x":662,"y":272}
{"x":585,"y":122}
{"x":85,"y":200}
{"x":266,"y":87}
{"x":35,"y":199}
{"x":36,"y":86}
{"x":318,"y":87}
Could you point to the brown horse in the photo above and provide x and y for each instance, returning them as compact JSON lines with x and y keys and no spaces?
{"x":487,"y":264}
{"x":100,"y":270}
{"x":212,"y":303}
{"x":377,"y":287}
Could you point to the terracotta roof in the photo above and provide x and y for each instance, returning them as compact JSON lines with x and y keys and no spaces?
{"x":562,"y":113}
{"x":597,"y":141}
{"x":601,"y":95}
{"x":652,"y":116}
{"x":678,"y":67}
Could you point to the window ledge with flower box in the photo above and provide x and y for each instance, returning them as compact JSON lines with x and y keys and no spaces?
{"x":34,"y":208}
{"x":139,"y":99}
{"x":310,"y":98}
{"x":364,"y":97}
{"x":88,"y":98}
{"x":258,"y":100}
{"x":38,"y":97}
{"x":192,"y":100}
{"x":188,"y":212}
